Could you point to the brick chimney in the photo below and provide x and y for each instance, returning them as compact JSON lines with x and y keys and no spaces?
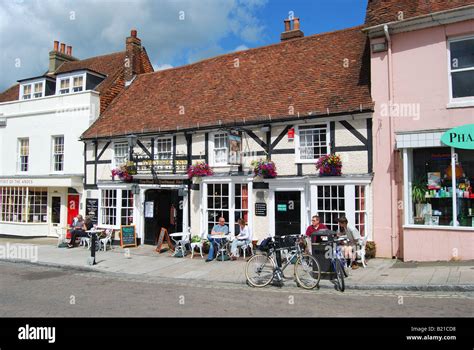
{"x":292,"y":33}
{"x":133,"y":50}
{"x":59,"y":55}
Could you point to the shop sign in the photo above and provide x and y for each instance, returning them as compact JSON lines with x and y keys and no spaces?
{"x":460,"y":137}
{"x":235,"y":148}
{"x":281,"y":207}
{"x":92,"y":209}
{"x":72,"y":207}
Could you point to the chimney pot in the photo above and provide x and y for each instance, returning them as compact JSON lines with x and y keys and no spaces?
{"x":63,"y":47}
{"x":296,"y":23}
{"x":56,"y":45}
{"x":69,"y":50}
{"x":133,"y":33}
{"x":287,"y":25}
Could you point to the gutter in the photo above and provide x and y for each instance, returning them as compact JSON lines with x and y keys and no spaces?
{"x":425,"y":21}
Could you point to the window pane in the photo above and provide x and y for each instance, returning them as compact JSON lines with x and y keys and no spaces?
{"x":463,"y":83}
{"x":462,"y":54}
{"x":464,"y":203}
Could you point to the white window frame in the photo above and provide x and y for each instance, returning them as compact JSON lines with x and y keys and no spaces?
{"x":19,"y":155}
{"x":118,"y":207}
{"x":213,"y":149}
{"x":108,"y":201}
{"x":21,"y":205}
{"x":459,"y":101}
{"x":297,"y":142}
{"x":163,"y":140}
{"x":81,"y":87}
{"x":70,"y":77}
{"x":114,"y":158}
{"x":32,"y":84}
{"x":54,"y":154}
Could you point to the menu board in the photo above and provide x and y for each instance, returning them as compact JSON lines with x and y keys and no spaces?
{"x":128,"y":237}
{"x":260,"y":209}
{"x":92,"y":209}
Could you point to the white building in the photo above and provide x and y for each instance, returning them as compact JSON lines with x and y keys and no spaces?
{"x":41,"y":121}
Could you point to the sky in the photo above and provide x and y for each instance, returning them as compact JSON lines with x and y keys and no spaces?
{"x":174,"y":32}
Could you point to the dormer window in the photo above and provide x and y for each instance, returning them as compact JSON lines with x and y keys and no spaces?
{"x":78,"y":83}
{"x":38,"y":90}
{"x":64,"y":86}
{"x":26,"y":92}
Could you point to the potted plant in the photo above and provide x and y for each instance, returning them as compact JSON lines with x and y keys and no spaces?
{"x":265,"y":169}
{"x":329,"y":165}
{"x":418,"y":195}
{"x":197,"y":171}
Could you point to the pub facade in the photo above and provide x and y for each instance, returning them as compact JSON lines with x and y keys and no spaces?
{"x":277,"y":103}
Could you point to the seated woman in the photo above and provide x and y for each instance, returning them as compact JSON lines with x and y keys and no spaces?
{"x":353,"y":236}
{"x":242,"y":238}
{"x":79,"y":228}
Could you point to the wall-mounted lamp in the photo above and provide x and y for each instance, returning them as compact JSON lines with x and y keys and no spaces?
{"x":132,"y":140}
{"x":135,"y":189}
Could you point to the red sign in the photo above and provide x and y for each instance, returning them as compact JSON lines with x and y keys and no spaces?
{"x":72,"y":207}
{"x":291,"y":134}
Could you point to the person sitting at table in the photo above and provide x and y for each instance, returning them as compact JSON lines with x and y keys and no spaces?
{"x":242,"y":238}
{"x":315,"y":226}
{"x":78,"y":230}
{"x":219,"y":229}
{"x":353,"y":236}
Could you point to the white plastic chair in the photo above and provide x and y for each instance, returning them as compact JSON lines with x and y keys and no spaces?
{"x":199,"y":245}
{"x":360,"y":251}
{"x":181,"y":244}
{"x":106,"y":239}
{"x":248,"y":245}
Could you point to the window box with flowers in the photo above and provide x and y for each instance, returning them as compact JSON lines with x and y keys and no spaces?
{"x":197,"y":171}
{"x":329,"y":165}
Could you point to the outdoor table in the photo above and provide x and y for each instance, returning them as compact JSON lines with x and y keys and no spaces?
{"x":174,"y":237}
{"x":222,"y":245}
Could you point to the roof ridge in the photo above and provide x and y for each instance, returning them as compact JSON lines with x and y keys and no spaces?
{"x":256,"y":48}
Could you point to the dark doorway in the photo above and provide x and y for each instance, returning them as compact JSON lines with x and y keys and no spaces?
{"x":166,"y":208}
{"x":287,"y":213}
{"x":55,"y":210}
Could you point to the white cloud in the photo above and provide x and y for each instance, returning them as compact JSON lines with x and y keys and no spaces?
{"x":162,"y":66}
{"x":241,"y":48}
{"x":29,"y":27}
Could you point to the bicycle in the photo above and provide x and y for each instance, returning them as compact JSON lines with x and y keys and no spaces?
{"x":261,"y":269}
{"x":338,"y":263}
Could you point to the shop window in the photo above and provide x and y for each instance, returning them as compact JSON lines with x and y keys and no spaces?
{"x":462,"y":68}
{"x":241,"y":205}
{"x":109,"y":207}
{"x":217,"y":204}
{"x":23,"y":204}
{"x":126,"y":217}
{"x":360,"y":209}
{"x":433,"y":188}
{"x":331,"y":205}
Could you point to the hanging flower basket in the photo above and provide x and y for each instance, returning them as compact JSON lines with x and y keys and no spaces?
{"x":329,"y":165}
{"x":265,"y":169}
{"x":198,"y":170}
{"x":122,"y":174}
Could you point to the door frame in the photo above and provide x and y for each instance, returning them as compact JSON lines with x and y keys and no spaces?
{"x":57,"y":192}
{"x":299,"y":186}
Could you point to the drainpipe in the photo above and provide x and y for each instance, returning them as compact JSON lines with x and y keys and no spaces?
{"x":392,"y":157}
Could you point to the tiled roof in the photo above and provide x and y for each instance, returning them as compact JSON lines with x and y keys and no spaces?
{"x":10,"y":94}
{"x":105,"y":64}
{"x":326,"y":73}
{"x":385,"y":11}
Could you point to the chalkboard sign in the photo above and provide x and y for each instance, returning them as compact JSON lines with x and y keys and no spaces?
{"x":161,"y":238}
{"x":128,"y":238}
{"x":92,"y":209}
{"x":260,"y":209}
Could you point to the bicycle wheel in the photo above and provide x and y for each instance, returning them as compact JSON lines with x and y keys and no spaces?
{"x":307,"y":271}
{"x":340,"y":276}
{"x":259,"y":270}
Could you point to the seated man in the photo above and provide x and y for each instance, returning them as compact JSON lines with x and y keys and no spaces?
{"x":218,"y":229}
{"x":78,"y":230}
{"x":315,"y":226}
{"x":353,"y":236}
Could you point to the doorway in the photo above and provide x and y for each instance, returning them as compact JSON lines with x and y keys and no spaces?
{"x":287,"y":213}
{"x":163,"y":208}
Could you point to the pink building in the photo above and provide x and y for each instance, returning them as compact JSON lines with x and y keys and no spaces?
{"x":422,"y":75}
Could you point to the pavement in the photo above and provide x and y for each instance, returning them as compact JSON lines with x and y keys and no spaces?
{"x":143,"y":261}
